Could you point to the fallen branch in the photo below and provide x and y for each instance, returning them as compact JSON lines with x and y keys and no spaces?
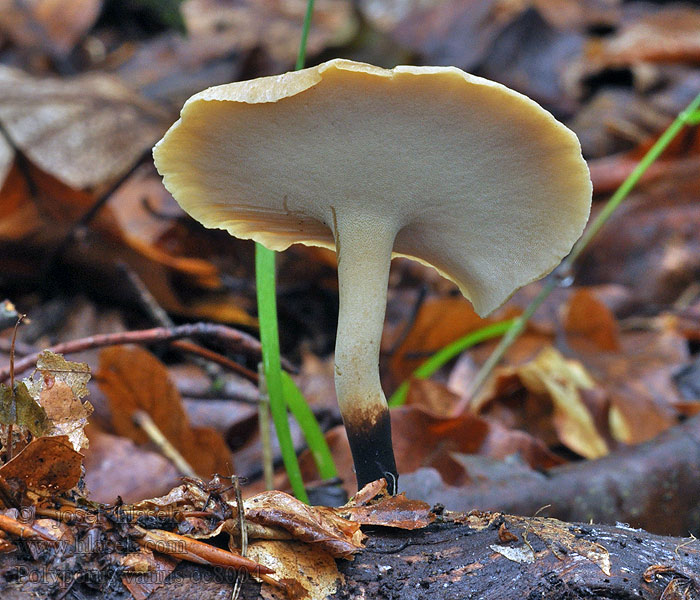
{"x":655,"y":485}
{"x":485,"y":556}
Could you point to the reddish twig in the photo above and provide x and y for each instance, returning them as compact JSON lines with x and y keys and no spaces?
{"x":217,"y":358}
{"x":232,"y":338}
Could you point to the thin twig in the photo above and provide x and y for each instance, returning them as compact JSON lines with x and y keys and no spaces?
{"x":146,"y":299}
{"x":215,"y":357}
{"x":89,"y":215}
{"x":144,"y":421}
{"x":232,"y":338}
{"x":202,"y":356}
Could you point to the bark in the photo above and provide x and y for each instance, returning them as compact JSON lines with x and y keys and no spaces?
{"x":454,"y":560}
{"x":655,"y":486}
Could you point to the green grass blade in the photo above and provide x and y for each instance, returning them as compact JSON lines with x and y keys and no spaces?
{"x":443,"y":356}
{"x":309,"y":425}
{"x":269,"y":334}
{"x":301,"y":56}
{"x":269,"y":338}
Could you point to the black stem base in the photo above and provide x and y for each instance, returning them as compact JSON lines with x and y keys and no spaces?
{"x":373,"y":453}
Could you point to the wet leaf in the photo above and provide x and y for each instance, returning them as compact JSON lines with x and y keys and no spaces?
{"x":48,"y":464}
{"x":558,"y":535}
{"x":390,"y":511}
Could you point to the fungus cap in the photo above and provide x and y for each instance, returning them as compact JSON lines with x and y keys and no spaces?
{"x":463,"y":173}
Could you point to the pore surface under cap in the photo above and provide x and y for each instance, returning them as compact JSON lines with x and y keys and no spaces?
{"x":472,"y":178}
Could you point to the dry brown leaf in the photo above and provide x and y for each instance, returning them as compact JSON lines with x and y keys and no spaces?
{"x":305,"y":570}
{"x":53,"y":25}
{"x":651,"y":244}
{"x":670,"y":34}
{"x":85,"y":131}
{"x":551,"y":398}
{"x":589,"y":321}
{"x":114,"y":466}
{"x":48,"y":464}
{"x":59,"y":389}
{"x":133,"y":379}
{"x":19,"y":216}
{"x":550,"y":374}
{"x":337,"y":536}
{"x":275,"y":25}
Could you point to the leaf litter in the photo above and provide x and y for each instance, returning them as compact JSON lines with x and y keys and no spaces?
{"x":600,"y":367}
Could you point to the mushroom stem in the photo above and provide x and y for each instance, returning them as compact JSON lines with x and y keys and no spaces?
{"x":364,"y":257}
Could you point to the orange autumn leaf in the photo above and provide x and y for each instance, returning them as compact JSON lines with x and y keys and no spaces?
{"x":133,"y":379}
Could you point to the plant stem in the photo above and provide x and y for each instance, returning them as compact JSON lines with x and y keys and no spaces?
{"x":269,"y":336}
{"x":301,"y":56}
{"x":689,"y":116}
{"x":441,"y":357}
{"x":309,"y":425}
{"x":264,"y":425}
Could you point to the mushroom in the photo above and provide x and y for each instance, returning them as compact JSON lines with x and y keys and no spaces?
{"x":430,"y":163}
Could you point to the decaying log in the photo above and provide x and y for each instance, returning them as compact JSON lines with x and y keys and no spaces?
{"x":487,"y":556}
{"x":655,"y":486}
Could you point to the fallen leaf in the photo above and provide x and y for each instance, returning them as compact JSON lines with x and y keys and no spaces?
{"x":390,"y":511}
{"x":59,"y":388}
{"x":133,"y":379}
{"x":647,"y":39}
{"x":335,"y":535}
{"x":558,"y":535}
{"x":53,"y":25}
{"x":115,"y":466}
{"x":46,"y":464}
{"x":306,"y":571}
{"x":589,"y":321}
{"x":439,"y":321}
{"x":19,"y":408}
{"x":554,"y":398}
{"x":520,"y":554}
{"x":275,"y":25}
{"x":85,"y":131}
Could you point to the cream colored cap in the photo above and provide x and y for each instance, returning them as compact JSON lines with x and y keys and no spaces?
{"x":471,"y":177}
